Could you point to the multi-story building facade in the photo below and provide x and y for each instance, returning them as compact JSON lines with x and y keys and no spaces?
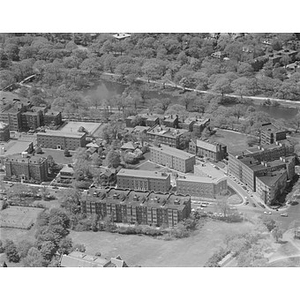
{"x":271,"y":185}
{"x":199,"y":126}
{"x":270,"y":134}
{"x":137,"y":207}
{"x":61,"y":140}
{"x":31,"y":120}
{"x":27,"y":168}
{"x":143,"y":180}
{"x":12,"y":117}
{"x":246,"y":169}
{"x":173,"y":158}
{"x":165,"y":135}
{"x":4,"y":132}
{"x":52,"y":118}
{"x":171,"y":121}
{"x":201,"y":186}
{"x":204,"y":149}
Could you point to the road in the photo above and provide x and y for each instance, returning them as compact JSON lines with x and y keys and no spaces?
{"x":174,"y":85}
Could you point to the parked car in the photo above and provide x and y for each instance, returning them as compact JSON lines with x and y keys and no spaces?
{"x":284,"y":215}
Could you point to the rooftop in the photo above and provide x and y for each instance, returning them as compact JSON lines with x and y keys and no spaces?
{"x":271,"y":179}
{"x":167,"y":131}
{"x":14,"y":147}
{"x":200,"y":179}
{"x":79,"y":259}
{"x":173,"y":151}
{"x":142,"y":173}
{"x":206,"y":145}
{"x":73,"y":127}
{"x":28,"y":159}
{"x":270,"y":128}
{"x":60,"y":133}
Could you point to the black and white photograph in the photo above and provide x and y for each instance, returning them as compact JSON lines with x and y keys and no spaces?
{"x":149,"y":148}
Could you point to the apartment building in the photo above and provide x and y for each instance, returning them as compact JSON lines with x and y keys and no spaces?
{"x":31,"y":120}
{"x":61,"y":140}
{"x":201,"y":186}
{"x":143,"y":180}
{"x":271,"y":185}
{"x":173,"y":158}
{"x":52,"y":118}
{"x":199,"y":126}
{"x":4,"y":132}
{"x":165,"y":135}
{"x":213,"y":151}
{"x":246,"y":169}
{"x":25,"y":167}
{"x":171,"y":121}
{"x":270,"y":134}
{"x":139,"y":207}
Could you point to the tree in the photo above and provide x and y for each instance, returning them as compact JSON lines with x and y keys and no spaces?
{"x":23,"y":248}
{"x":67,"y":152}
{"x":240,"y":86}
{"x":48,"y":250}
{"x":277,"y":233}
{"x":34,"y":258}
{"x":285,"y":60}
{"x":11,"y":252}
{"x":113,"y":159}
{"x":222,"y":86}
{"x":70,"y":200}
{"x":295,"y":122}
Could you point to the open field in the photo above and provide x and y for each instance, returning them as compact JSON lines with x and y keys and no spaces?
{"x":19,"y":217}
{"x":145,"y":251}
{"x":17,"y":235}
{"x":232,"y":140}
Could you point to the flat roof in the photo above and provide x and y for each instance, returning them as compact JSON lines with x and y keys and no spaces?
{"x":173,"y":151}
{"x":271,"y":179}
{"x":142,"y":173}
{"x":60,"y":133}
{"x":167,"y":131}
{"x":270,"y":127}
{"x":79,"y":259}
{"x":200,"y":179}
{"x":206,"y":145}
{"x":30,"y":159}
{"x":14,"y":147}
{"x":72,"y":127}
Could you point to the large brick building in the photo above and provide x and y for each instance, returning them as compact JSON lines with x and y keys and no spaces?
{"x":52,"y":118}
{"x":201,"y":186}
{"x":271,"y":185}
{"x":4,"y":132}
{"x":143,"y":180}
{"x":26,"y":168}
{"x":61,"y":140}
{"x":270,"y":134}
{"x":150,"y":208}
{"x":166,"y":135}
{"x":246,"y":169}
{"x":173,"y":158}
{"x":214,"y":151}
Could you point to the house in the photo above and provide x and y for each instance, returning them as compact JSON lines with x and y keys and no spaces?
{"x":129,"y":146}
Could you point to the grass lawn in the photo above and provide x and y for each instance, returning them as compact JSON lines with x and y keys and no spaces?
{"x":232,"y":140}
{"x":145,"y":251}
{"x":17,"y":235}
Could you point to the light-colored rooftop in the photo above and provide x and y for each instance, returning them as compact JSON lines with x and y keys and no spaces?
{"x":73,"y":127}
{"x":200,"y":179}
{"x":3,"y":125}
{"x":79,"y":259}
{"x":60,"y":133}
{"x":142,"y":173}
{"x":173,"y":151}
{"x":167,"y":131}
{"x":206,"y":145}
{"x":14,"y":147}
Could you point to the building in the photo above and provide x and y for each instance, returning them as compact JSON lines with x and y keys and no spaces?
{"x":171,"y":121}
{"x":52,"y":118}
{"x":66,"y":173}
{"x":31,"y":120}
{"x":143,"y":180}
{"x":173,"y":158}
{"x":143,"y":120}
{"x":199,"y":126}
{"x":13,"y":147}
{"x":165,"y":135}
{"x":215,"y":151}
{"x":201,"y":186}
{"x":137,"y":207}
{"x":61,"y":140}
{"x":270,"y":134}
{"x":4,"y":132}
{"x":27,"y":168}
{"x":246,"y":169}
{"x":271,"y":185}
